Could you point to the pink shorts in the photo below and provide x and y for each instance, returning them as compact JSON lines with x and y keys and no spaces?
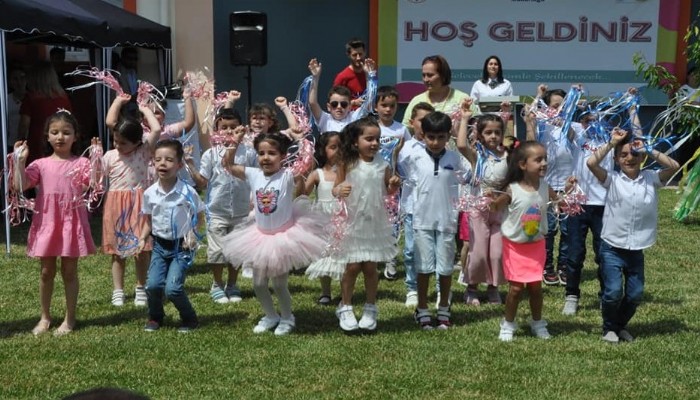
{"x":463,"y":226}
{"x":523,"y":262}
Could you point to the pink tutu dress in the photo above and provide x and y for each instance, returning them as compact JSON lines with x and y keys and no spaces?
{"x":60,"y":226}
{"x":286,"y":234}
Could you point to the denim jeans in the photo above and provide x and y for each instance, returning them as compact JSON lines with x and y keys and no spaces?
{"x":591,"y":218}
{"x":554,"y":224}
{"x":411,"y":283}
{"x":623,"y":277}
{"x":167,"y":274}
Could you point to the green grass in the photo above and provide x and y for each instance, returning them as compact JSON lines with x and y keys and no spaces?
{"x":224,"y":359}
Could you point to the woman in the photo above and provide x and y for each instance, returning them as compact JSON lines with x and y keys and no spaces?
{"x":44,"y":98}
{"x":437,"y":76}
{"x":492,"y":83}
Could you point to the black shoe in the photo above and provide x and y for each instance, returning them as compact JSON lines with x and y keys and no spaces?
{"x":188,"y":326}
{"x":550,"y":277}
{"x":561,"y":273}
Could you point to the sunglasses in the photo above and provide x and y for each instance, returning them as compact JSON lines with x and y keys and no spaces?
{"x":342,"y":104}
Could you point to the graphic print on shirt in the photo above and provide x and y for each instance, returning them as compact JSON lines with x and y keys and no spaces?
{"x":530,"y":221}
{"x":388,"y":145}
{"x":267,"y":200}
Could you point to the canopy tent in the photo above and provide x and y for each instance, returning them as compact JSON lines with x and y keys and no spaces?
{"x":81,"y":23}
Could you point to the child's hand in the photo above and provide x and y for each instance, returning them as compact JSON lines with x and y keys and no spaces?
{"x":541,"y":89}
{"x":357,"y":102}
{"x":466,"y":108}
{"x":570,"y":183}
{"x":505,"y":106}
{"x":189,"y":242}
{"x":632,"y":90}
{"x":394,"y":181}
{"x":577,"y":86}
{"x":281,"y":101}
{"x":344,"y":189}
{"x":22,"y":150}
{"x":238,"y":133}
{"x":233,"y":96}
{"x":369,"y":66}
{"x":296,"y":133}
{"x":186,"y":92}
{"x":315,"y":68}
{"x":96,"y":142}
{"x":140,"y":246}
{"x":617,"y":135}
{"x":638,"y":146}
{"x":123,"y":98}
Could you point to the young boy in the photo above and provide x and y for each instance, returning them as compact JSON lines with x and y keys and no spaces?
{"x":171,"y":207}
{"x":433,"y":173}
{"x":629,"y":227}
{"x":228,"y":200}
{"x":410,"y":147}
{"x":338,"y":105}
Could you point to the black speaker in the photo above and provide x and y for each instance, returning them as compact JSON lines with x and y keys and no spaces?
{"x":248,"y":38}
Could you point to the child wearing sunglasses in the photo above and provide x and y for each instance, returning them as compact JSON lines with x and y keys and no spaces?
{"x":339,"y":112}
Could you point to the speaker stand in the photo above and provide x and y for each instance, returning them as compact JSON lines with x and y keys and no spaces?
{"x":249,"y":79}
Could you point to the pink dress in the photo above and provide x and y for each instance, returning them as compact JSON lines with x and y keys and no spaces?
{"x":60,"y":226}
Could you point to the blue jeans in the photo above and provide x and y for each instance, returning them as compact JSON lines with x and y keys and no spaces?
{"x":167,"y":274}
{"x":554,"y":224}
{"x":411,"y":283}
{"x":591,"y":218}
{"x":623,"y":278}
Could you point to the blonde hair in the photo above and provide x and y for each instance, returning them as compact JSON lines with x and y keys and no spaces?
{"x":43,"y":80}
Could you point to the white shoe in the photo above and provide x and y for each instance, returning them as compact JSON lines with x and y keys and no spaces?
{"x":266,"y":324}
{"x":539,"y":329}
{"x":285,"y":326}
{"x":611,"y":337}
{"x":140,"y":297}
{"x":390,"y":270}
{"x":369,"y":317}
{"x":118,"y":298}
{"x":346,"y":317}
{"x":570,"y":305}
{"x":411,"y":299}
{"x":507,"y":331}
{"x":247,"y":273}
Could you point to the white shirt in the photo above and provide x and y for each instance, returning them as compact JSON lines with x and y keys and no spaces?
{"x":395,"y":130}
{"x":584,"y":146}
{"x":480,"y":89}
{"x":525,"y":219}
{"x":272,"y":198}
{"x":409,"y":149}
{"x":560,"y":161}
{"x":226,"y":196}
{"x":436,"y":191}
{"x":631,"y":208}
{"x":171,"y":213}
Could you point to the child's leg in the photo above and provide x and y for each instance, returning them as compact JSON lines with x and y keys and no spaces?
{"x":347,"y":284}
{"x":262,"y":293}
{"x":232,"y":275}
{"x":175,"y":288}
{"x":217,"y":271}
{"x":69,"y":272}
{"x":495,"y":250}
{"x":118,"y":267}
{"x":48,"y":274}
{"x":423,"y":284}
{"x":478,"y":263}
{"x":325,"y":286}
{"x":445,"y":288}
{"x":634,"y":285}
{"x":369,"y":270}
{"x":534,"y":289}
{"x":155,"y":284}
{"x":281,"y":287}
{"x":141,"y":262}
{"x":512,"y":300}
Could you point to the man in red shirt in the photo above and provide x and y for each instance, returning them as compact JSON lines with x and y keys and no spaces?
{"x":353,"y":76}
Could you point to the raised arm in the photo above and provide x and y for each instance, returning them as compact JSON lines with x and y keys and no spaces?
{"x":315,"y":69}
{"x":153,"y":125}
{"x":115,"y":109}
{"x":463,"y":144}
{"x":231,"y":99}
{"x":178,"y":128}
{"x":368,"y":106}
{"x":670,"y":166}
{"x":281,"y":102}
{"x":593,"y":163}
{"x":229,"y":160}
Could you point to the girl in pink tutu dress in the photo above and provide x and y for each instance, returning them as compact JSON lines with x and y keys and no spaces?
{"x":525,"y":197}
{"x":60,"y":225}
{"x":286,"y":234}
{"x":363,"y":180}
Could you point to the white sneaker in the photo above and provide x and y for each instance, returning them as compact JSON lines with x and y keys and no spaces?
{"x":217,"y":294}
{"x":507,"y":331}
{"x":118,"y":298}
{"x":285,"y":326}
{"x":369,"y":317}
{"x":266,"y":324}
{"x":411,"y":299}
{"x":570,"y":305}
{"x":140,"y":297}
{"x":390,"y":270}
{"x":611,"y":337}
{"x":247,"y":272}
{"x":346,"y":316}
{"x":539,"y":329}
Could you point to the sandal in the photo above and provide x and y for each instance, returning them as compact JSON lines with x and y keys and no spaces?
{"x":324,"y":300}
{"x":62,"y":330}
{"x":41,"y":327}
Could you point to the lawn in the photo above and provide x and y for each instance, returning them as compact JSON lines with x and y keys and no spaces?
{"x":224,"y":359}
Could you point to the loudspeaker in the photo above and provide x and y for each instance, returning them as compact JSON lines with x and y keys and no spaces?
{"x":248,"y":39}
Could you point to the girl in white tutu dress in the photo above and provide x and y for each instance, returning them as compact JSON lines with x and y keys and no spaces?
{"x":363,"y":180}
{"x":286,"y":234}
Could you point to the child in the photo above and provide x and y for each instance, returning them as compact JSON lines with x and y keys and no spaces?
{"x":393,"y":136}
{"x":364,"y":180}
{"x":338,"y":105}
{"x":173,"y":211}
{"x":60,"y":226}
{"x":490,"y":167}
{"x":629,"y":227}
{"x":323,"y":179}
{"x":126,"y":170}
{"x":523,"y":230}
{"x":434,"y":174}
{"x":410,"y":147}
{"x":227,"y":202}
{"x":286,"y":233}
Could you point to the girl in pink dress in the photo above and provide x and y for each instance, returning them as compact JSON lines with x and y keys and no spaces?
{"x":60,"y":225}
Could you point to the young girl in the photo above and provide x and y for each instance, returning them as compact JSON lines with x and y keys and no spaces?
{"x":126,"y":170}
{"x":323,"y":180}
{"x":524,"y":227}
{"x":60,"y":225}
{"x":285,"y":235}
{"x":364,"y":180}
{"x":489,"y":164}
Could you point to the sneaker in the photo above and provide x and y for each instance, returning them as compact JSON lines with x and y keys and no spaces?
{"x":471,"y":298}
{"x":611,"y":337}
{"x":625,"y":335}
{"x":266,"y":324}
{"x":437,"y":300}
{"x":233,"y":293}
{"x":118,"y":298}
{"x":368,"y":321}
{"x":285,"y":326}
{"x":443,"y":318}
{"x":549,"y":277}
{"x":390,"y":270}
{"x":539,"y":329}
{"x":561,"y":273}
{"x":151,"y":326}
{"x":324,"y":300}
{"x":188,"y":326}
{"x":247,"y":273}
{"x":346,"y":316}
{"x":217,"y":294}
{"x":494,"y":296}
{"x":570,"y":305}
{"x":140,"y":298}
{"x":507,"y":331}
{"x":424,"y":318}
{"x":411,"y":299}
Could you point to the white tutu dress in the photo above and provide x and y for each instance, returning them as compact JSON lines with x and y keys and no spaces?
{"x":327,"y":204}
{"x":286,"y":234}
{"x":368,"y":234}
